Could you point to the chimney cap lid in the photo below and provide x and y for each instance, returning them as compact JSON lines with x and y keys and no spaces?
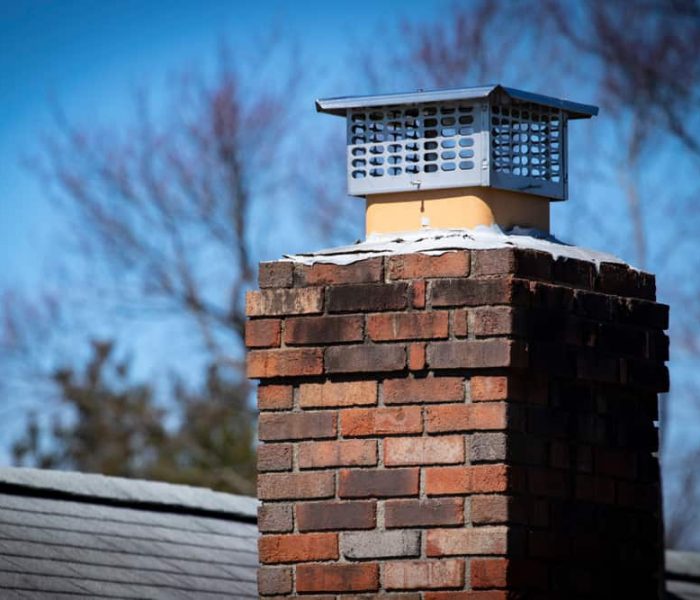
{"x":339,"y":106}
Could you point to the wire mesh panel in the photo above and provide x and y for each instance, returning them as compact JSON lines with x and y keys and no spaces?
{"x":527,"y":147}
{"x":499,"y":143}
{"x":402,"y":148}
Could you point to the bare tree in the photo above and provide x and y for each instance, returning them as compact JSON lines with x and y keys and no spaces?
{"x":168,"y":205}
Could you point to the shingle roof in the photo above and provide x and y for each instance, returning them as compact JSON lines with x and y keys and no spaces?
{"x":72,"y":535}
{"x":682,"y":575}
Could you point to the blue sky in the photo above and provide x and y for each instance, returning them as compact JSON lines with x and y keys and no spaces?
{"x":91,"y":56}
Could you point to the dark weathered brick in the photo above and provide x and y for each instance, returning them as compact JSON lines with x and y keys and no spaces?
{"x":336,"y":516}
{"x":478,"y":292}
{"x":476,"y":354}
{"x":368,"y":297}
{"x":578,"y":273}
{"x":378,"y":484}
{"x":277,"y":274}
{"x":365,"y":359}
{"x":621,"y":280}
{"x":323,"y":330}
{"x":297,"y":426}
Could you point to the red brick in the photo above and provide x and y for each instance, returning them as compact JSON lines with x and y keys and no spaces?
{"x":284,"y":302}
{"x":338,"y":578}
{"x":480,"y":479}
{"x":499,"y":320}
{"x":423,"y":513}
{"x":323,"y":330}
{"x":442,"y":450}
{"x":407,"y":326}
{"x":336,"y":516}
{"x":476,"y":354}
{"x":264,"y":364}
{"x":466,"y":417}
{"x":365,"y":271}
{"x":275,"y":518}
{"x":357,"y":422}
{"x":489,"y":573}
{"x":429,"y":389}
{"x":331,"y":394}
{"x":292,"y":486}
{"x":378,"y":484}
{"x":423,"y":574}
{"x":306,"y":547}
{"x":478,"y":292}
{"x":274,"y":580}
{"x":493,"y":388}
{"x":418,"y":294}
{"x":262,"y":333}
{"x":365,"y":359}
{"x":368,"y":297}
{"x":344,"y":453}
{"x":416,"y":357}
{"x":470,"y":541}
{"x":275,"y":397}
{"x":276,"y":274}
{"x":274,"y":457}
{"x":460,"y":323}
{"x":297,"y":426}
{"x":413,"y":266}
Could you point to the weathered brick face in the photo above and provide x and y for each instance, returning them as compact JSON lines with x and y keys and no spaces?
{"x":471,"y":426}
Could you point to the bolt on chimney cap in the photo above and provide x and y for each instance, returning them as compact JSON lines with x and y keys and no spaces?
{"x":339,"y":106}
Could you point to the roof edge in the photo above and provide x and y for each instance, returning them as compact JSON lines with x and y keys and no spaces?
{"x":133,"y":493}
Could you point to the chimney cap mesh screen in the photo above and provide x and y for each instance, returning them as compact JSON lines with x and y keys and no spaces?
{"x":483,"y":139}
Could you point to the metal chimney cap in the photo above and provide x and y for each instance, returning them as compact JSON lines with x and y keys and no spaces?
{"x":339,"y":106}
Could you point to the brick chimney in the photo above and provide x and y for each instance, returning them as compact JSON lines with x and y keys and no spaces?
{"x":457,"y":418}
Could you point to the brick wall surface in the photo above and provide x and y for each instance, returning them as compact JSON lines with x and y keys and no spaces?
{"x":470,"y":426}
